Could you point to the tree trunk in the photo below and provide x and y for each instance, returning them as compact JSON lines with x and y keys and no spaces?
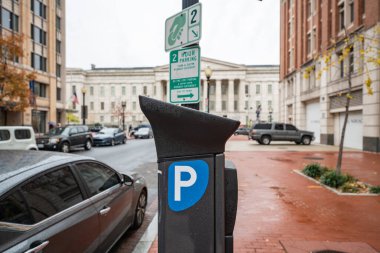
{"x":340,"y":154}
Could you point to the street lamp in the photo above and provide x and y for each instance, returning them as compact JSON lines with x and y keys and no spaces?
{"x":123,"y":105}
{"x":84,"y":109}
{"x":208,"y":73}
{"x":270,"y":114}
{"x":258,"y":111}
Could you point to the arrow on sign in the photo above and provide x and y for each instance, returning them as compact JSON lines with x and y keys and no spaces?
{"x":186,"y":95}
{"x":195,"y":33}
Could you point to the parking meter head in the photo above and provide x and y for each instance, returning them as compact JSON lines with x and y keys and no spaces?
{"x":180,"y":131}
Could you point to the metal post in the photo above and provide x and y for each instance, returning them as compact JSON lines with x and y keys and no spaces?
{"x":123,"y":105}
{"x":83,"y":109}
{"x":208,"y":94}
{"x":185,"y":4}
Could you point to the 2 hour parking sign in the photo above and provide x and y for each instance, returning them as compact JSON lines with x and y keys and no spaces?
{"x":187,"y":183}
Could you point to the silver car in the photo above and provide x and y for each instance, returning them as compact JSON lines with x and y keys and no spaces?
{"x":54,"y":202}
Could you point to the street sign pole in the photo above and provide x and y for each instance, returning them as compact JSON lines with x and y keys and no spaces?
{"x":185,"y":4}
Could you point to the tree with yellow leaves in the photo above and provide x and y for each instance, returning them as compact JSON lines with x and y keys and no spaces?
{"x":369,"y":57}
{"x":14,"y":88}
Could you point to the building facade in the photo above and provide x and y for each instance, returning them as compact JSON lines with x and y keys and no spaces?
{"x":236,"y":91}
{"x":42,"y":23}
{"x":309,"y":28}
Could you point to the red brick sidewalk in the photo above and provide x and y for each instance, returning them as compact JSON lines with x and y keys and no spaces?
{"x":279,"y":208}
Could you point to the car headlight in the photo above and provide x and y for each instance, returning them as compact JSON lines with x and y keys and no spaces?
{"x":54,"y":140}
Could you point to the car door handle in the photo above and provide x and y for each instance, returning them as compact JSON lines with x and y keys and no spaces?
{"x":105,"y":210}
{"x":38,"y":248}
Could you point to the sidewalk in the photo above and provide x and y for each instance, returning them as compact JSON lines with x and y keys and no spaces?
{"x":281,"y":211}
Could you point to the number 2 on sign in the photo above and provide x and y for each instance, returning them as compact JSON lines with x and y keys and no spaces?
{"x":174,"y":59}
{"x":193,"y":15}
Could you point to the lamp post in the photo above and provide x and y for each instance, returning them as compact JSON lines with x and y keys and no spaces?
{"x":84,"y":111}
{"x":123,"y":105}
{"x":258,"y":111}
{"x":270,"y":114}
{"x":208,"y":73}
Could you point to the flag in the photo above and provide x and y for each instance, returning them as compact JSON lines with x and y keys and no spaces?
{"x":74,"y":98}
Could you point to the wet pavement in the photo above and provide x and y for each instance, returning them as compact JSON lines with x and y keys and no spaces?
{"x":281,"y":211}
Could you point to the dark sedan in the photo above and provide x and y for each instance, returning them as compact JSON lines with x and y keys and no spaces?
{"x":110,"y":136}
{"x":54,"y":202}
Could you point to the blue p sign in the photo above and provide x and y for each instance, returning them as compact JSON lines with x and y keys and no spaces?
{"x":187,"y":182}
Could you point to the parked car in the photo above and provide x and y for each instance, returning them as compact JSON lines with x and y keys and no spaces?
{"x":65,"y":138}
{"x":264,"y":133}
{"x":110,"y":136}
{"x":17,"y":138}
{"x":242,"y":131}
{"x":144,"y":133}
{"x":59,"y":203}
{"x":134,"y":130}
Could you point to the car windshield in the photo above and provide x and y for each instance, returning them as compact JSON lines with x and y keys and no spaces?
{"x":58,"y":131}
{"x":107,"y":131}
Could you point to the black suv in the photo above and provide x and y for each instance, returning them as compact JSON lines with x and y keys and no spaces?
{"x":65,"y":138}
{"x":264,"y":133}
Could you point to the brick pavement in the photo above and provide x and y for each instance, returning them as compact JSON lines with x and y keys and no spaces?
{"x":279,"y":208}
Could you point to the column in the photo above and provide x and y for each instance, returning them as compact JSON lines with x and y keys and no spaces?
{"x":158,"y":90}
{"x":231,"y":96}
{"x":241,"y":96}
{"x":205,"y":98}
{"x":218,"y":96}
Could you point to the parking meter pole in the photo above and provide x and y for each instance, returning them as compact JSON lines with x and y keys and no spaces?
{"x":192,"y":193}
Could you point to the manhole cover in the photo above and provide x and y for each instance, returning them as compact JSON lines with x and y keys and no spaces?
{"x":313,"y":158}
{"x":328,"y":251}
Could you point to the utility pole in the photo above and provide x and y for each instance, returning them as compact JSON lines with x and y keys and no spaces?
{"x":185,"y":4}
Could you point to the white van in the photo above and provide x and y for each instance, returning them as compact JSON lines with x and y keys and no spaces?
{"x":17,"y":137}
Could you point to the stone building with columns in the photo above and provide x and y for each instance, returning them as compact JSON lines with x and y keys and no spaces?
{"x":236,"y":91}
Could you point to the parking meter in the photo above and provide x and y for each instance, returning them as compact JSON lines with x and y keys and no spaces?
{"x":197,"y":190}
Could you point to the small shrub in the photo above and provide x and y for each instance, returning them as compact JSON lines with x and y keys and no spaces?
{"x":332,"y":179}
{"x":375,"y":189}
{"x":350,"y":187}
{"x":314,"y":170}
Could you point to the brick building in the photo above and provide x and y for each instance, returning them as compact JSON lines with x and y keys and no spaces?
{"x":308,"y":29}
{"x":42,"y":23}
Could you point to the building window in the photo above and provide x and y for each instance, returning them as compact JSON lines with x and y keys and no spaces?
{"x":154,"y":90}
{"x":134,"y":90}
{"x":58,"y":70}
{"x":258,"y":104}
{"x":102,"y":106}
{"x":224,"y":89}
{"x":352,"y":11}
{"x":123,"y":90}
{"x":58,"y":45}
{"x":39,"y":121}
{"x":91,"y":106}
{"x":246,"y":105}
{"x":341,"y":16}
{"x":212,"y":105}
{"x":351,"y":60}
{"x":59,"y":94}
{"x":224,"y":105}
{"x":269,"y":88}
{"x":308,"y":45}
{"x":235,"y":105}
{"x":101,"y":118}
{"x":314,"y":39}
{"x":212,"y":89}
{"x":9,"y":20}
{"x":341,"y":64}
{"x":58,"y":3}
{"x":38,"y":8}
{"x":269,"y":104}
{"x":134,"y":106}
{"x":38,"y":62}
{"x":91,"y":90}
{"x":308,"y":8}
{"x":38,"y":35}
{"x":58,"y":23}
{"x":102,"y":93}
{"x":145,"y":90}
{"x":258,"y":89}
{"x":236,"y":88}
{"x":112,"y":91}
{"x":246,"y":89}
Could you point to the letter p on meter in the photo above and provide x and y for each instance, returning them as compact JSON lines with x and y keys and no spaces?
{"x":187,"y":183}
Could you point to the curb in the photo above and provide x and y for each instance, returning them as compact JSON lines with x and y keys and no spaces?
{"x":148,"y":237}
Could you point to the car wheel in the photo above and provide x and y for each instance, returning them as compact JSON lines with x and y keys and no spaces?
{"x":88,"y":145}
{"x":259,"y":142}
{"x":266,"y":140}
{"x":65,"y":147}
{"x":140,"y":210}
{"x":306,"y":140}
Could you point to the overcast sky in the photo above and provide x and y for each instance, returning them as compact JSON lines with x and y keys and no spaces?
{"x":126,"y":33}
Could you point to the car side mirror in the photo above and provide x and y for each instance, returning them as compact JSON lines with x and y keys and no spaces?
{"x":127,"y":180}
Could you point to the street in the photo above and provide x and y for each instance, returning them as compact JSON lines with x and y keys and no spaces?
{"x":134,"y":156}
